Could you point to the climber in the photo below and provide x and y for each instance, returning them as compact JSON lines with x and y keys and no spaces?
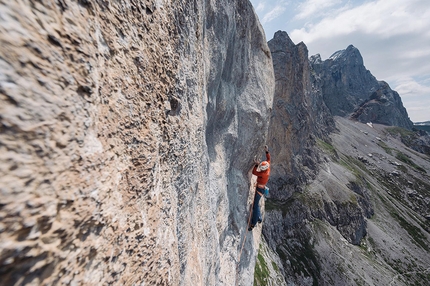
{"x":262,"y":171}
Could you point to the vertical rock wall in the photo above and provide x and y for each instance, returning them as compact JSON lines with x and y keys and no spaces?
{"x":299,"y":116}
{"x":127,"y":132}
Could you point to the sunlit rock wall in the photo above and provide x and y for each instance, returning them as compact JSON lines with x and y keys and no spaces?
{"x":127,"y":132}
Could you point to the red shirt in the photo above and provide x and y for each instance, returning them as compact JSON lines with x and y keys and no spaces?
{"x":263,"y":176}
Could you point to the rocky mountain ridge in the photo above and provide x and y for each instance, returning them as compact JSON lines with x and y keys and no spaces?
{"x":349,"y":89}
{"x":367,"y":196}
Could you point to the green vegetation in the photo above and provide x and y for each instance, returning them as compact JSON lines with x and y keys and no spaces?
{"x":357,"y":167}
{"x":284,"y":206}
{"x":405,"y":159}
{"x":418,"y":237}
{"x":359,"y":281}
{"x":328,"y":149}
{"x":402,"y":168}
{"x":385,"y":147}
{"x":275,"y":266}
{"x":261,"y":272}
{"x":421,"y":276}
{"x":404,"y":133}
{"x":353,"y":199}
{"x":371,"y":242}
{"x":396,"y":264}
{"x":413,"y":231}
{"x":305,"y":261}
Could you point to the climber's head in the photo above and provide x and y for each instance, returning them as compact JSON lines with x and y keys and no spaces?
{"x":263,"y":166}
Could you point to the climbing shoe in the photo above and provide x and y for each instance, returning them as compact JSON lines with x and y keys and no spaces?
{"x":251,"y":227}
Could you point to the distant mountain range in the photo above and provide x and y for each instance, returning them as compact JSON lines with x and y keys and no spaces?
{"x":348,"y":199}
{"x":425,"y":123}
{"x":422,"y":126}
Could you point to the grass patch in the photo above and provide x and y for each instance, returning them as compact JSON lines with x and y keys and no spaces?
{"x":405,"y":159}
{"x":404,"y":133}
{"x":357,"y":167}
{"x":303,"y":259}
{"x":353,"y":199}
{"x":328,"y":149}
{"x":418,"y":237}
{"x":385,"y":147}
{"x":371,"y":242}
{"x":275,"y":266}
{"x":261,"y":271}
{"x":396,"y":264}
{"x":277,"y":205}
{"x":403,"y":169}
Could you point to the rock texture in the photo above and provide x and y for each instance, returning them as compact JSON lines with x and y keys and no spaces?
{"x":126,"y":134}
{"x":299,"y":115}
{"x":350,"y":213}
{"x":350,"y":89}
{"x":384,"y":106}
{"x":362,"y":220}
{"x":346,"y":83}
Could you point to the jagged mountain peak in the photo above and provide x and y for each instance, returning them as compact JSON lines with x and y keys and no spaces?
{"x":349,"y":89}
{"x":350,"y":53}
{"x":282,"y":40}
{"x":315,"y":59}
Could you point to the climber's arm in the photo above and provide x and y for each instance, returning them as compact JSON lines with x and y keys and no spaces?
{"x":267,"y":153}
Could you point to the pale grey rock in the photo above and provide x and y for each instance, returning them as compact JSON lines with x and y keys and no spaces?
{"x":127,"y":132}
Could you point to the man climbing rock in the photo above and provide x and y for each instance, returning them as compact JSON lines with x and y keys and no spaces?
{"x":262,"y":171}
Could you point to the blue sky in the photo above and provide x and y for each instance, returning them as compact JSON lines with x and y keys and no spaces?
{"x":393,"y":37}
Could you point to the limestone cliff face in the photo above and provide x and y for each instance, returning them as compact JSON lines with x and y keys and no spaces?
{"x":299,"y":116}
{"x":126,"y":134}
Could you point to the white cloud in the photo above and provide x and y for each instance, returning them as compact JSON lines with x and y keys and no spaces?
{"x":408,"y":87}
{"x":260,"y":6}
{"x":393,"y":37}
{"x":415,"y":97}
{"x":311,"y":7}
{"x":279,"y":7}
{"x":418,"y":110}
{"x":384,"y":18}
{"x":273,"y":14}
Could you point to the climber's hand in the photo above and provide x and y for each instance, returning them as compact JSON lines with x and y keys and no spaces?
{"x":256,"y":162}
{"x":266,"y":148}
